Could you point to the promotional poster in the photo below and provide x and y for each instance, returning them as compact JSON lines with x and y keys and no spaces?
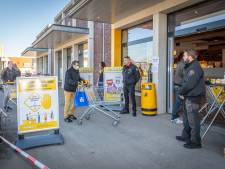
{"x":113,"y":83}
{"x":37,"y":104}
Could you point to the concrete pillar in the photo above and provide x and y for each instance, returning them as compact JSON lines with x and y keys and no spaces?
{"x":159,"y":66}
{"x":45,"y":64}
{"x":56,"y":63}
{"x":75,"y":52}
{"x":91,"y":44}
{"x":51,"y":61}
{"x":64,"y":65}
{"x":223,"y":58}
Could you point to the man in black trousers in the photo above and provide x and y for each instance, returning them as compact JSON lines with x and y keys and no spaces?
{"x":191,"y":92}
{"x":131,"y":76}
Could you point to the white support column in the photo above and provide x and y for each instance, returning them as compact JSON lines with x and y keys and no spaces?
{"x":75,"y":52}
{"x":160,"y":58}
{"x":56,"y":64}
{"x":50,"y":61}
{"x":91,"y":44}
{"x":64,"y":65}
{"x":43,"y":64}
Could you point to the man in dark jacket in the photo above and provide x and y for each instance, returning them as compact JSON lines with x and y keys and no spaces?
{"x":191,"y":92}
{"x":70,"y":86}
{"x":131,"y":76}
{"x":8,"y":76}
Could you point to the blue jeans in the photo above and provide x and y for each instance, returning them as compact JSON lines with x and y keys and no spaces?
{"x":177,"y":104}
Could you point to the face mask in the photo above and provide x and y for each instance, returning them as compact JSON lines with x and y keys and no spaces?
{"x":76,"y":67}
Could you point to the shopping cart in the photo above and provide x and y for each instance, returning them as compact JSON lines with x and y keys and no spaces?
{"x":215,"y":97}
{"x":96,"y":102}
{"x":9,"y":90}
{"x":3,"y":122}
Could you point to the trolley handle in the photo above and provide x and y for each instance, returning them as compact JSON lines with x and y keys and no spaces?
{"x":9,"y":83}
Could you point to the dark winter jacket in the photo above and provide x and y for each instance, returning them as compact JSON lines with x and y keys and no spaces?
{"x":71,"y":80}
{"x":193,"y":84}
{"x":131,"y":75}
{"x":9,"y":75}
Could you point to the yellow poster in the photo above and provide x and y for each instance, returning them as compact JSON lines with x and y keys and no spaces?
{"x":37,"y":104}
{"x":113,"y":83}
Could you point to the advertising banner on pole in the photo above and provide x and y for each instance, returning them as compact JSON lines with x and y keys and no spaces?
{"x":37,"y":104}
{"x":113,"y":83}
{"x":86,"y":73}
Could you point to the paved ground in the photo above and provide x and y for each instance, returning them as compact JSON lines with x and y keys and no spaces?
{"x":137,"y":143}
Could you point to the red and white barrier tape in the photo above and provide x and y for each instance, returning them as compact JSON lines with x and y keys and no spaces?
{"x":25,"y":155}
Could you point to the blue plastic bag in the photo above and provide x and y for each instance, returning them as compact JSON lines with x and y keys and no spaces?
{"x":80,"y":99}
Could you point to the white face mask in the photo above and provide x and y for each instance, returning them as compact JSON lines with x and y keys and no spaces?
{"x":76,"y":67}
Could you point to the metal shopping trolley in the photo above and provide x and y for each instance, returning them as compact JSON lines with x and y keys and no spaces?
{"x":96,"y":102}
{"x":3,"y":122}
{"x":10,"y":92}
{"x":215,"y":104}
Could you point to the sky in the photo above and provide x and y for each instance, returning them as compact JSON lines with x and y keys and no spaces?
{"x":22,"y":20}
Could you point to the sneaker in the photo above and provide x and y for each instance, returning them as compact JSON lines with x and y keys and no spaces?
{"x":124,"y":111}
{"x":72,"y":117}
{"x":192,"y":145}
{"x":178,"y":121}
{"x":68,"y":120}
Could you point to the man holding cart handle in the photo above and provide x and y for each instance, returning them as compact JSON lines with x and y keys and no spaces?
{"x":72,"y":78}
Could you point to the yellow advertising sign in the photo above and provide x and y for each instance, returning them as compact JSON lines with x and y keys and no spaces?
{"x":113,"y":83}
{"x":37,"y":104}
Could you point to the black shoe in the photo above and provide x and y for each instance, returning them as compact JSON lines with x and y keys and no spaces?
{"x":192,"y":145}
{"x":134,"y":114}
{"x":68,"y":120}
{"x":124,"y":111}
{"x":72,"y":117}
{"x":181,"y":138}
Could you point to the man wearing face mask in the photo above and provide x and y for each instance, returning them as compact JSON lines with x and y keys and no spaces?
{"x":72,"y":78}
{"x":191,"y":92}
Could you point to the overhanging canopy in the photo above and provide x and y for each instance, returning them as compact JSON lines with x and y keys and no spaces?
{"x":55,"y":35}
{"x":109,"y":11}
{"x":31,"y":52}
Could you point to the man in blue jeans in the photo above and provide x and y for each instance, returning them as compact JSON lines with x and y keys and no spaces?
{"x":178,"y":78}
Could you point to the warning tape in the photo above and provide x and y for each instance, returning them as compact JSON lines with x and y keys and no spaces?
{"x":25,"y":155}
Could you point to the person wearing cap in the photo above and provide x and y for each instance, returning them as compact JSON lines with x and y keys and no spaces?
{"x":72,"y":78}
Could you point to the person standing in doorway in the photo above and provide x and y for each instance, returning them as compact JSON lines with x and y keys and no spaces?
{"x":8,"y":76}
{"x":72,"y":78}
{"x":101,"y":74}
{"x":178,"y":78}
{"x":131,"y":76}
{"x":191,"y":92}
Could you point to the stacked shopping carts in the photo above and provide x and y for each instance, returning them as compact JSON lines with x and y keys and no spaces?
{"x":98,"y":103}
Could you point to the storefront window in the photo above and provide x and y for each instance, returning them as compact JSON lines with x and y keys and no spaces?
{"x":137,"y":44}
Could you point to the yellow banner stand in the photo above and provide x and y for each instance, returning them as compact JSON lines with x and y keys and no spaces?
{"x":37,"y":110}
